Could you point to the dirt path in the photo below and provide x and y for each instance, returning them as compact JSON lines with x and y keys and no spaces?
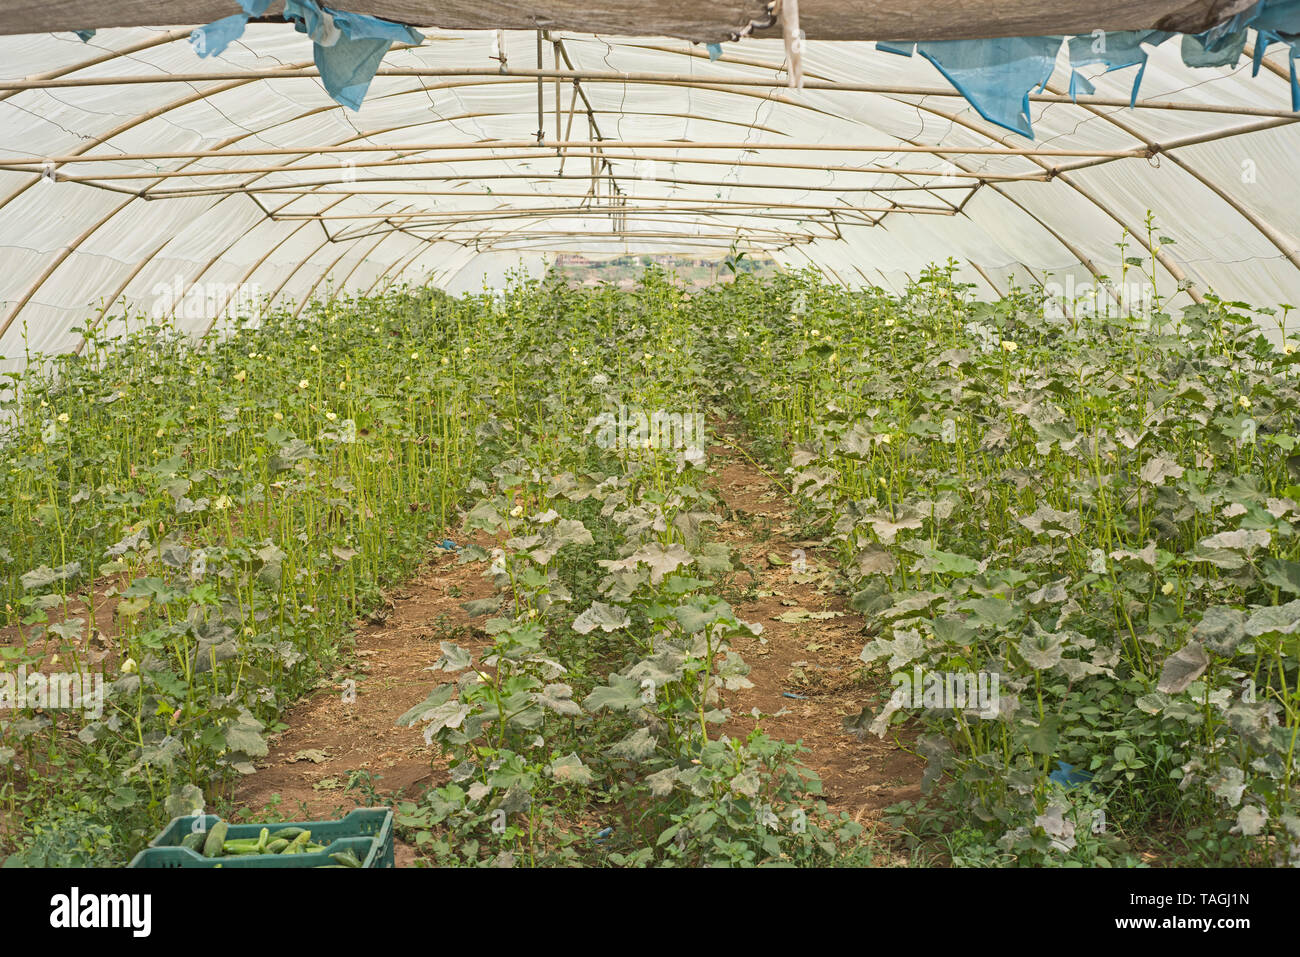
{"x":330,"y":736}
{"x":333,"y":734}
{"x":804,"y":671}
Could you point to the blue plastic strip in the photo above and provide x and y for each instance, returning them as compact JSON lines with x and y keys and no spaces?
{"x":1080,"y":84}
{"x":213,"y":39}
{"x":348,"y":47}
{"x":902,"y":49}
{"x":996,"y":76}
{"x":1199,"y":51}
{"x":1117,"y":51}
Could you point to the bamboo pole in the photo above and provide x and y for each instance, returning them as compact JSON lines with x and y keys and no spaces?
{"x":106,"y":57}
{"x":743,"y":146}
{"x":613,"y":76}
{"x":756,"y":212}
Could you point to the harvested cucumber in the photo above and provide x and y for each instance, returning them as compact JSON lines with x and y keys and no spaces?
{"x":216,"y":838}
{"x":288,"y":833}
{"x":194,"y":842}
{"x":346,"y":859}
{"x":239,"y":851}
{"x":276,"y":846}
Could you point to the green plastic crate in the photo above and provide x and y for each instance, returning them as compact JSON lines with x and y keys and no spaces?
{"x":367,"y":832}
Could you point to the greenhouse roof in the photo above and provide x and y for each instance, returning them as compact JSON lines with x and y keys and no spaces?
{"x":133,"y":169}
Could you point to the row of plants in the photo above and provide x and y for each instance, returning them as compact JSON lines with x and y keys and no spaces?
{"x":1097,"y":509}
{"x":586,"y":727}
{"x":200,"y":522}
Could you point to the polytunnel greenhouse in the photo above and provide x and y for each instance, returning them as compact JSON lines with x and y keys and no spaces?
{"x":748,"y":433}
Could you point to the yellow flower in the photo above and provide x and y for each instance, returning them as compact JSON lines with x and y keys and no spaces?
{"x":303,"y":384}
{"x":445,"y":360}
{"x":128,"y":666}
{"x":160,"y":433}
{"x":64,"y":417}
{"x":314,"y":348}
{"x":814,"y":333}
{"x":1243,"y":402}
{"x":466,"y":351}
{"x":279,"y":416}
{"x":415,"y":355}
{"x":331,"y":416}
{"x":516,"y":511}
{"x":1167,"y":588}
{"x":241,"y":375}
{"x":1009,"y":345}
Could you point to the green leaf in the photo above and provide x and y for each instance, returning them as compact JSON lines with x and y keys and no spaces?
{"x":454,"y":657}
{"x":607,"y":618}
{"x":621,"y":694}
{"x":1182,"y":668}
{"x":1281,"y":574}
{"x":570,"y":770}
{"x":1221,"y":629}
{"x":439,"y":695}
{"x":558,"y":698}
{"x":245,"y":734}
{"x":1279,"y":619}
{"x":636,"y":747}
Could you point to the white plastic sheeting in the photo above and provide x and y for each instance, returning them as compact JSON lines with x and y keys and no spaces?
{"x":190,"y":237}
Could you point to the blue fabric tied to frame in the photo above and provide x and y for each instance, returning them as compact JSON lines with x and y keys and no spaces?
{"x":349,"y":63}
{"x":1279,"y":22}
{"x":1117,"y":51}
{"x":347,"y":47}
{"x":995,"y":76}
{"x":1198,"y":51}
{"x":212,"y":40}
